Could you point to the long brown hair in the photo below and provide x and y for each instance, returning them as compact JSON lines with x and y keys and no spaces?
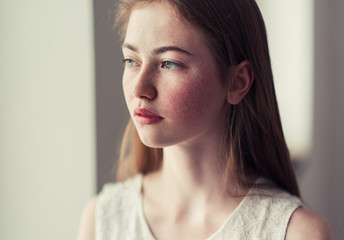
{"x":254,"y":143}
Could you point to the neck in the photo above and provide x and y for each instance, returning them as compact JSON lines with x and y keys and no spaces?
{"x":197,"y":167}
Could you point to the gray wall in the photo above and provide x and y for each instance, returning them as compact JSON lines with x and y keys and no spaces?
{"x":111,"y":111}
{"x":322,"y":182}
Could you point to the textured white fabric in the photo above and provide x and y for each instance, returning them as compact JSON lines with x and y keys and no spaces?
{"x":262,"y":214}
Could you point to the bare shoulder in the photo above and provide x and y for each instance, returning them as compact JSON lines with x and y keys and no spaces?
{"x":305,"y":224}
{"x":87,"y":222}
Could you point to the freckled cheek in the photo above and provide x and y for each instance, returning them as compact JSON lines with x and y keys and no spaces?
{"x":187,"y":103}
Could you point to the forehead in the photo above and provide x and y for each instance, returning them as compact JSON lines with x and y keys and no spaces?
{"x":159,"y":22}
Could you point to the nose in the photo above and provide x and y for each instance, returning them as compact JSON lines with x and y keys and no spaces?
{"x":144,"y":86}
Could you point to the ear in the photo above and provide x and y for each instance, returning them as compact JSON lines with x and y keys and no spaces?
{"x":242,"y":77}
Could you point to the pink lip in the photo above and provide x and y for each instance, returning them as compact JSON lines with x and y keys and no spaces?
{"x":144,"y":116}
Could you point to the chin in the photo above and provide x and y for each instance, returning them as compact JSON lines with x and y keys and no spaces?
{"x":151,"y":142}
{"x":156,"y":141}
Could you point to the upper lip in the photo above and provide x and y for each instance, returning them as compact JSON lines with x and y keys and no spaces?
{"x":146,"y":113}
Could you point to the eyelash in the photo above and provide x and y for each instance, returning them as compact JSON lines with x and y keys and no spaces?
{"x":175,"y":65}
{"x":164,"y":64}
{"x":127,"y":61}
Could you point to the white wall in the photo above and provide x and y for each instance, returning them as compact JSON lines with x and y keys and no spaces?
{"x":47,"y":153}
{"x":289,"y":27}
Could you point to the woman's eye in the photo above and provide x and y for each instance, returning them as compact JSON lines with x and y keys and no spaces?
{"x":169,"y":65}
{"x":130,"y":62}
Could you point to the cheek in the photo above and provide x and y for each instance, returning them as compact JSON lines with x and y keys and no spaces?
{"x":190,"y":101}
{"x":126,"y":90}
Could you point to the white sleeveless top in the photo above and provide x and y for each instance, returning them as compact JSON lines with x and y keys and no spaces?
{"x":262,"y":214}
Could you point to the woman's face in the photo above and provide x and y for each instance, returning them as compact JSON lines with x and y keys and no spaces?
{"x":171,"y":81}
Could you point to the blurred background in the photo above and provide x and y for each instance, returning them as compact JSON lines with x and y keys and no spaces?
{"x":63,"y":111}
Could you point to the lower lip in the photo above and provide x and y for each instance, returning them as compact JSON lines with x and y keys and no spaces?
{"x":146,"y":120}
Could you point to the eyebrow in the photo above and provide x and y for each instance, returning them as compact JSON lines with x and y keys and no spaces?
{"x":159,"y":50}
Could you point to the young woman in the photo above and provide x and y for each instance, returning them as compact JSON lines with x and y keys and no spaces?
{"x":203,"y":156}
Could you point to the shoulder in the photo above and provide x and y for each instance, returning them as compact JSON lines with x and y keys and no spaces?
{"x":101,"y":209}
{"x":116,"y":194}
{"x":305,"y":224}
{"x":87,"y":222}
